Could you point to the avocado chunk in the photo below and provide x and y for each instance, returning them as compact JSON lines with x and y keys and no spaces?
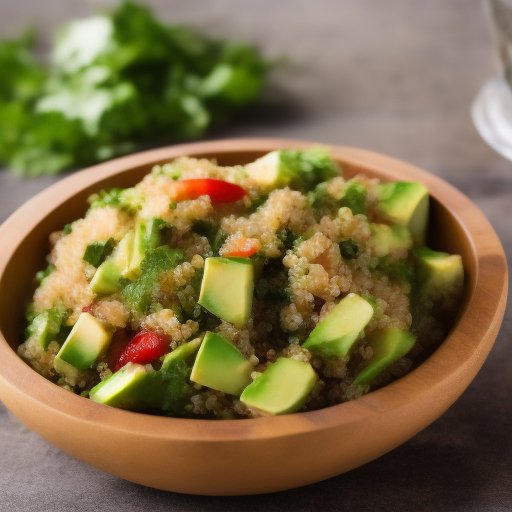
{"x":47,"y":325}
{"x":227,"y":288}
{"x":181,"y":353}
{"x":146,"y":237}
{"x":87,"y":341}
{"x":439,"y":270}
{"x":137,"y":388}
{"x":297,"y":169}
{"x":123,"y":389}
{"x":122,"y":254}
{"x":282,"y":388}
{"x":405,"y":203}
{"x":441,"y":275}
{"x":388,"y":345}
{"x":219,"y":365}
{"x":388,"y":239}
{"x":270,"y":171}
{"x":107,"y":277}
{"x":337,"y":332}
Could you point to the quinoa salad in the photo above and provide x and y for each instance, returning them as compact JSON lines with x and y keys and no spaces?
{"x":270,"y":288}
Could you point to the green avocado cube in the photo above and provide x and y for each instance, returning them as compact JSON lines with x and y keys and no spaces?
{"x":146,"y":236}
{"x":219,"y":365}
{"x":270,"y":171}
{"x":106,"y":278}
{"x":282,"y":388}
{"x":441,"y":276}
{"x":388,"y":345}
{"x":405,"y":203}
{"x":122,"y":254}
{"x":387,"y":239}
{"x":439,"y":269}
{"x":47,"y":325}
{"x":137,"y":388}
{"x":123,"y":389}
{"x":87,"y":341}
{"x":227,"y":289}
{"x":181,"y":353}
{"x":337,"y":332}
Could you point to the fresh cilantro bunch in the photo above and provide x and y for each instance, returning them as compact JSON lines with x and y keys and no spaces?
{"x":116,"y":82}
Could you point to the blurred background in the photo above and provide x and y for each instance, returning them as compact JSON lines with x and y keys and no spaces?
{"x":397,"y":77}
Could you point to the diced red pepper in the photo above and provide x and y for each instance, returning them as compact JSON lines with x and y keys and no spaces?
{"x":219,"y":191}
{"x":242,"y":247}
{"x":87,"y":309}
{"x":144,"y":348}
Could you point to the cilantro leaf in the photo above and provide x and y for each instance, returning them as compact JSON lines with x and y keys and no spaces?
{"x":96,"y":252}
{"x":116,"y":82}
{"x":137,"y":294}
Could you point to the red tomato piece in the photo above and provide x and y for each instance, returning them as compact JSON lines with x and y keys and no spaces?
{"x":219,"y":191}
{"x":144,"y":348}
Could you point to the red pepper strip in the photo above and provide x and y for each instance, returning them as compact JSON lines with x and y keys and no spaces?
{"x":242,"y":248}
{"x":144,"y":348}
{"x":219,"y":191}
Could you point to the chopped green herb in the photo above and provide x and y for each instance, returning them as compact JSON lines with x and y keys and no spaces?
{"x":310,"y":167}
{"x":349,"y":249}
{"x":47,"y":325}
{"x":97,"y":252}
{"x":128,"y":199}
{"x":210,"y":231}
{"x":137,"y":295}
{"x":355,"y":198}
{"x":43,"y":274}
{"x":397,"y":270}
{"x":141,"y":81}
{"x":67,"y":229}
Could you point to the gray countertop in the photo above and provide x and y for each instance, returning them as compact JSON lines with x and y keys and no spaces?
{"x":396,"y":77}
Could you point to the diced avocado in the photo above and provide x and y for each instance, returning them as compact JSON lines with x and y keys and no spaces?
{"x":388,"y":239}
{"x":441,"y":275}
{"x":219,"y":365}
{"x":122,"y":254}
{"x":298,"y":169}
{"x":405,"y":203}
{"x":388,"y":345}
{"x":106,"y":278}
{"x":227,"y":287}
{"x":97,"y":252}
{"x":117,"y":265}
{"x":338,"y":331}
{"x":47,"y":325}
{"x":270,"y":171}
{"x":183,"y":352}
{"x":282,"y":388}
{"x":123,"y":389}
{"x":87,"y":341}
{"x":146,"y":237}
{"x":134,"y":387}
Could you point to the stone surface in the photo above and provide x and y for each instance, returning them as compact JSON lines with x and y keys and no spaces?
{"x":396,"y":77}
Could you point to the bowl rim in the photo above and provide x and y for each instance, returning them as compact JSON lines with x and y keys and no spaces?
{"x":465,"y":347}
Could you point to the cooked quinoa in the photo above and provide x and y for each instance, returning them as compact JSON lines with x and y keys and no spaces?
{"x":312,"y":239}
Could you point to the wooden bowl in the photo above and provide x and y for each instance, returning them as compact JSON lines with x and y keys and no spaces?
{"x":255,"y":455}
